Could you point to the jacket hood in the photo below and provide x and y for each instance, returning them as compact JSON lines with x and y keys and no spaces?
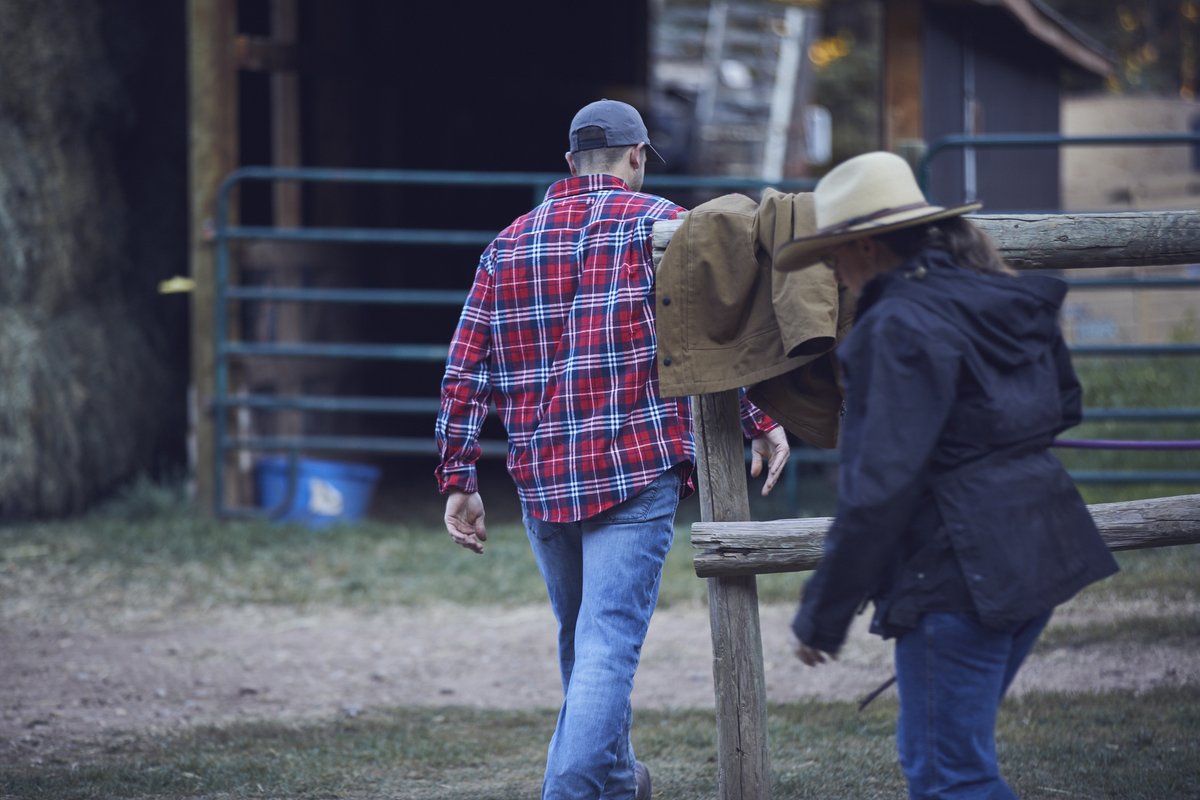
{"x":1011,"y":319}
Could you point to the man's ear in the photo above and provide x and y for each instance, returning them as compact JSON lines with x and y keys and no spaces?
{"x":571,"y":164}
{"x":637,"y":154}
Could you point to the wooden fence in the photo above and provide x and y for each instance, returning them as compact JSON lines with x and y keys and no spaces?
{"x":730,"y":550}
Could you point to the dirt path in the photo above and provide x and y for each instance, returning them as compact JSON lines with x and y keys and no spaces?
{"x":69,"y":687}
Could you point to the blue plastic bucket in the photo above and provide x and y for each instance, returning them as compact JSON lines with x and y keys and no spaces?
{"x":326,"y":491}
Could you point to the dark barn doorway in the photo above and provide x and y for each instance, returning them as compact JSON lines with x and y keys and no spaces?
{"x":378,"y":84}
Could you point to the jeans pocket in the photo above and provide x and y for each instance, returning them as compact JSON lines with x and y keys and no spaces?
{"x":542,"y":530}
{"x":656,"y":499}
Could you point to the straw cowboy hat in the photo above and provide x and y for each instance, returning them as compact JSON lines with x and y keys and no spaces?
{"x":865,"y":196}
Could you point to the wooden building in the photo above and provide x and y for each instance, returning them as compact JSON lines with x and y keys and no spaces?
{"x":979,"y":67}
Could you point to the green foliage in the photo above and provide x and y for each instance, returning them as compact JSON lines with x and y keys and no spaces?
{"x":1153,"y":42}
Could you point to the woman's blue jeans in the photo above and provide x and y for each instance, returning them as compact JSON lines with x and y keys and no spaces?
{"x":602,"y":576}
{"x":952,"y":673}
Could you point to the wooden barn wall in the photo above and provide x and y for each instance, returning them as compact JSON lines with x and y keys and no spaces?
{"x":1016,"y":83}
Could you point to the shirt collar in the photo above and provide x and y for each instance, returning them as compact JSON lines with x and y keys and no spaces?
{"x":585,"y":184}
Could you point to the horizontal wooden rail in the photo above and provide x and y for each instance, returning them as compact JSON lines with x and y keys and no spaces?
{"x":729,"y":549}
{"x":1070,"y":241}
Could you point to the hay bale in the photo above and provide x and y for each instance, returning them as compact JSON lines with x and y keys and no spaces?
{"x":77,"y":394}
{"x":89,"y":368}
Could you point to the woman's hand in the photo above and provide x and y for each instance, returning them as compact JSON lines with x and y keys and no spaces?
{"x":810,"y":656}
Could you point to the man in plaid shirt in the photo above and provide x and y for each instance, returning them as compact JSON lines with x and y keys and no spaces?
{"x":558,"y":332}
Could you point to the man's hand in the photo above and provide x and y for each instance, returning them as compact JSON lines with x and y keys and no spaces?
{"x":773,"y":448}
{"x":464,"y":520}
{"x":810,"y":656}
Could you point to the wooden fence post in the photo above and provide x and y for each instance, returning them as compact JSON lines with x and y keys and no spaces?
{"x":738,"y":678}
{"x":212,"y":154}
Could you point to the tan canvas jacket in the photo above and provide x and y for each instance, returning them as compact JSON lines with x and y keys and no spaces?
{"x":726,"y":319}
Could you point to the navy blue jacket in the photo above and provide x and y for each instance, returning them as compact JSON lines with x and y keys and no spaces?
{"x":949,"y":499}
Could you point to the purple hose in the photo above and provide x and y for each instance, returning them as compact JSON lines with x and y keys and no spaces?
{"x":1130,"y":444}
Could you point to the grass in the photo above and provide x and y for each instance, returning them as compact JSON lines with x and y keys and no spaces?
{"x":1182,"y":630}
{"x":146,"y":554}
{"x":1051,"y":746}
{"x":1149,"y":383}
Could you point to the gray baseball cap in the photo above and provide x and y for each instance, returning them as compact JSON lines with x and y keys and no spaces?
{"x":609,"y":123}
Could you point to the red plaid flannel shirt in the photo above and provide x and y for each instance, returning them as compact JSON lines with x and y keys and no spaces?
{"x":558,"y":332}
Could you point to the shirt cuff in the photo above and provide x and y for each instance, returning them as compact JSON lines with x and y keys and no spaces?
{"x":757,"y":424}
{"x":460,"y":478}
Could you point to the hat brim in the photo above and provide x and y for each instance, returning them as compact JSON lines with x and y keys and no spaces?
{"x":804,"y":252}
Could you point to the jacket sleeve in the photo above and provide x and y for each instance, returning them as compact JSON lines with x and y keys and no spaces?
{"x":901,"y":387}
{"x":466,"y":387}
{"x":1069,"y":390}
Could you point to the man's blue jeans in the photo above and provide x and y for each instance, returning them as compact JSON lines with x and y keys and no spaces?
{"x":602,"y":576}
{"x":952,"y":673}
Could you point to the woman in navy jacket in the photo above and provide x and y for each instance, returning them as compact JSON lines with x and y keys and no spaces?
{"x":953,"y":516}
